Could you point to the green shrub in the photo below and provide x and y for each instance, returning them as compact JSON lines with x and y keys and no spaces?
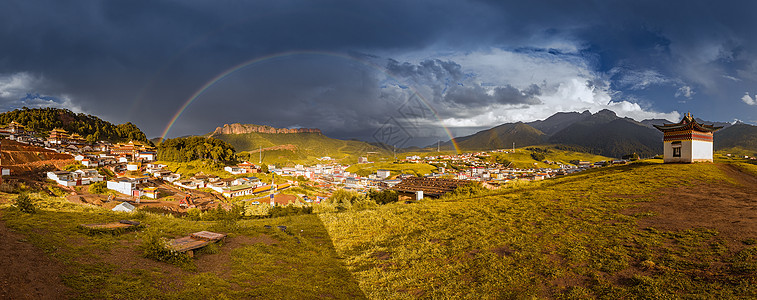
{"x":25,"y":204}
{"x":74,"y":167}
{"x":100,"y":187}
{"x":538,"y":156}
{"x":157,"y":248}
{"x":383,"y":197}
{"x":289,"y":210}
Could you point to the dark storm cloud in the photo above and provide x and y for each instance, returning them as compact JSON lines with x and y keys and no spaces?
{"x":476,"y":96}
{"x":430,"y":70}
{"x":140,"y":61}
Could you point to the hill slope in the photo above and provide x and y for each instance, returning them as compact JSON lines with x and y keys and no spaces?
{"x":292,"y":145}
{"x":558,"y":121}
{"x":738,"y":135}
{"x":21,"y":158}
{"x":92,"y":128}
{"x":502,"y":136}
{"x":600,"y":233}
{"x":606,"y":134}
{"x":602,"y":133}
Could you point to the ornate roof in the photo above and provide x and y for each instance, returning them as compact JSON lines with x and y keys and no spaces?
{"x":687,"y":123}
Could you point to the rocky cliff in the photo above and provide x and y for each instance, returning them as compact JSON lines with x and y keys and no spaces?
{"x":237,"y":128}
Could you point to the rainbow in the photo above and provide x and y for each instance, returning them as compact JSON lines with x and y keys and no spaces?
{"x":254,"y":61}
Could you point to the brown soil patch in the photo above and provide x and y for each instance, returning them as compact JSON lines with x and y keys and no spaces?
{"x":731,"y":209}
{"x":382,"y":255}
{"x":26,"y":272}
{"x":23,"y":158}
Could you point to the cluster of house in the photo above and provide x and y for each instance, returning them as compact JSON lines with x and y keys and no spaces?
{"x":333,"y":175}
{"x":76,"y":178}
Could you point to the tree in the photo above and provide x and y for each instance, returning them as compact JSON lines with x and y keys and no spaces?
{"x":383,"y":197}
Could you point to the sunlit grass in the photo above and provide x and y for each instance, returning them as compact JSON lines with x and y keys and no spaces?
{"x":560,"y":238}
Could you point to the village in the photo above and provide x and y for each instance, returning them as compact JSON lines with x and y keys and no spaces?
{"x":138,"y":178}
{"x":131,"y":170}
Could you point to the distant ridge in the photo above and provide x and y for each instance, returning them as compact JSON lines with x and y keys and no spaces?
{"x":237,"y":128}
{"x":601,"y":133}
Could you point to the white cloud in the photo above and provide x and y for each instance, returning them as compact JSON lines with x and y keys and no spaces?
{"x":565,"y":82}
{"x":638,"y":80}
{"x":749,"y":100}
{"x":685,"y":91}
{"x":24,"y":89}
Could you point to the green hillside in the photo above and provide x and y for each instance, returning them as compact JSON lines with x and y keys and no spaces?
{"x":502,"y":136}
{"x":602,"y":133}
{"x":297,"y":147}
{"x":523,"y":157}
{"x":395,"y":168}
{"x":580,"y":236}
{"x":605,"y":134}
{"x":739,"y":135}
{"x":43,"y":120}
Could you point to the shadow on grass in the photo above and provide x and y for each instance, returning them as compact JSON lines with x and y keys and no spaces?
{"x":255,"y":262}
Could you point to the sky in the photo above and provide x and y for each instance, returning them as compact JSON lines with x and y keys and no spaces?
{"x":405,"y":73}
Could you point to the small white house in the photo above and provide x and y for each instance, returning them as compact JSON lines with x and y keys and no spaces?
{"x":383,"y":174}
{"x":147,"y":156}
{"x":124,"y":186}
{"x":124,"y":206}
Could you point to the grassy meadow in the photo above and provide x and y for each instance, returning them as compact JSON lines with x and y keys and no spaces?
{"x":254,"y":262}
{"x":575,"y":237}
{"x":418,"y":169}
{"x":563,"y":238}
{"x":308,"y":147}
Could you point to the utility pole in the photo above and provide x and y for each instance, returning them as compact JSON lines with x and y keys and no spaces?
{"x":513,"y":146}
{"x":260,"y":154}
{"x":437,"y":146}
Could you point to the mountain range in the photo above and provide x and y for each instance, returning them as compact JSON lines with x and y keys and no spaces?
{"x":602,"y":133}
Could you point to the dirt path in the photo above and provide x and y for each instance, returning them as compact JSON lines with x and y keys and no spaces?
{"x":731,"y":209}
{"x":26,"y":272}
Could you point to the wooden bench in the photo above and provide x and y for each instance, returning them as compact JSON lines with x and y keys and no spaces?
{"x":195,"y":241}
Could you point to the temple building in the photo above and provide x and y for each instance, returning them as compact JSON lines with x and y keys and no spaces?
{"x":57,"y":136}
{"x":687,"y":141}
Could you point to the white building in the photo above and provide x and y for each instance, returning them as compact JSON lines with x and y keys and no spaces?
{"x":687,"y":141}
{"x":124,"y":186}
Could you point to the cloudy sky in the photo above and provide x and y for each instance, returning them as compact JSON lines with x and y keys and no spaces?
{"x":362,"y":69}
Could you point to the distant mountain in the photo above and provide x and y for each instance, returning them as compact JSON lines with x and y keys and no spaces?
{"x":558,"y":121}
{"x":91,"y":128}
{"x":650,"y":122}
{"x":738,"y":135}
{"x":291,"y":145}
{"x":502,"y":136}
{"x":602,"y":133}
{"x":237,"y":128}
{"x":607,"y":134}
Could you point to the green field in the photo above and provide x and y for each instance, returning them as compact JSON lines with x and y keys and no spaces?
{"x":255,"y":262}
{"x":418,"y":169}
{"x":308,"y":147}
{"x":563,"y":238}
{"x":521,"y":158}
{"x":576,"y":237}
